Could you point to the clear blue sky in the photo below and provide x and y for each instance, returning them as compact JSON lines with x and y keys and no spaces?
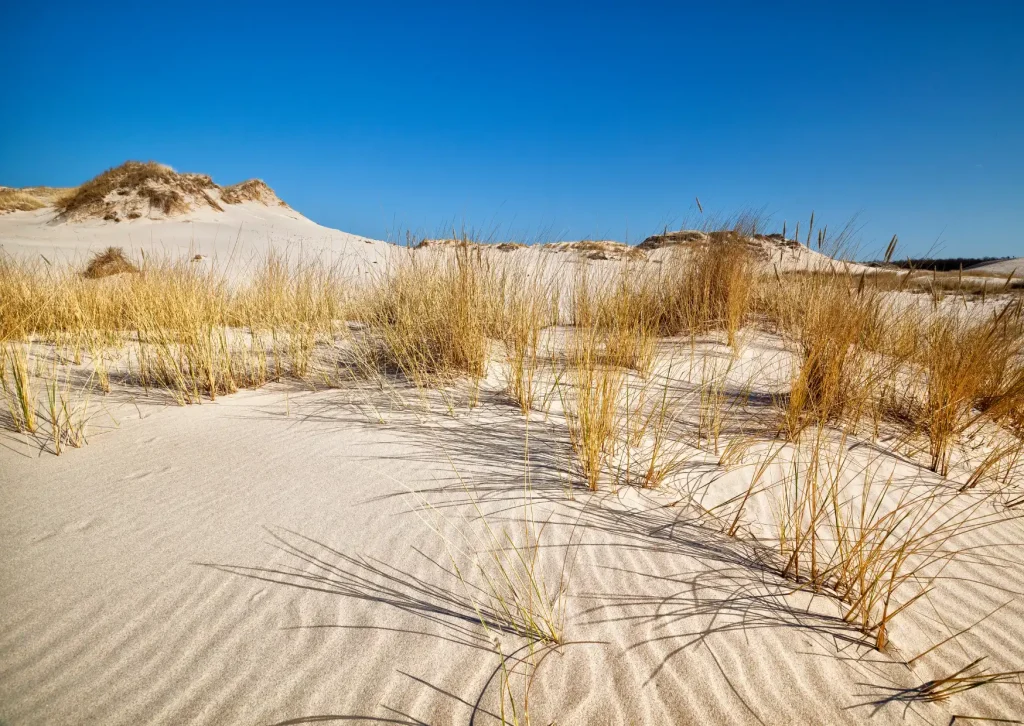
{"x":564,"y":120}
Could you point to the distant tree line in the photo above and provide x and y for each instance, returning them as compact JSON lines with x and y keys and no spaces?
{"x":940,"y":264}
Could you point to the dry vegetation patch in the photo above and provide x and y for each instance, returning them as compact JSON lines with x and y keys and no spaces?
{"x":428,"y":318}
{"x":17,"y":200}
{"x":252,"y":190}
{"x":148,"y":189}
{"x":112,"y":261}
{"x":30,"y":198}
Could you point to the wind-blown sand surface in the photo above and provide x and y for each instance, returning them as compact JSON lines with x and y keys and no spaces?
{"x":268,"y":558}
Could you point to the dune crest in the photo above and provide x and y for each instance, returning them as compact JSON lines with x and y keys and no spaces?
{"x":136,"y":190}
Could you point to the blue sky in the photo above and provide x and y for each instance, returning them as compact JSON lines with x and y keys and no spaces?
{"x":563,"y":120}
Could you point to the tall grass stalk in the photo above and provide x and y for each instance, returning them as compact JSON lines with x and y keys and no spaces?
{"x":19,"y":390}
{"x":591,"y":404}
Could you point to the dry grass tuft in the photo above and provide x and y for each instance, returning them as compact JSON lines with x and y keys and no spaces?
{"x":628,"y":315}
{"x":710,"y":286}
{"x":968,"y":678}
{"x":251,"y":190}
{"x":428,"y":319}
{"x":875,"y":543}
{"x":112,"y":261}
{"x":525,"y":316}
{"x":18,"y":388}
{"x":829,"y":325}
{"x":972,"y":369}
{"x":30,"y":198}
{"x":590,"y":399}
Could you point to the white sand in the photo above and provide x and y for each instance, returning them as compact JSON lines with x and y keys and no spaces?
{"x":235,"y":237}
{"x":1003,"y":267}
{"x":266,"y":559}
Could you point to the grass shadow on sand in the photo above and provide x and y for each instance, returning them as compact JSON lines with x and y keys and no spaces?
{"x":321,"y":568}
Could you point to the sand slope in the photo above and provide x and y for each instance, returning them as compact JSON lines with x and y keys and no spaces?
{"x":1003,"y":267}
{"x":232,"y":237}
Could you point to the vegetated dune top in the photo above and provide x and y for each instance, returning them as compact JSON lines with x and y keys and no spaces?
{"x":771,"y":250}
{"x":759,"y":244}
{"x":136,"y":189}
{"x":590,"y":249}
{"x":1014,"y":266}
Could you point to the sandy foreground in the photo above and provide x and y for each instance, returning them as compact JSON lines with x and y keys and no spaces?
{"x":273,"y":558}
{"x":290,"y":555}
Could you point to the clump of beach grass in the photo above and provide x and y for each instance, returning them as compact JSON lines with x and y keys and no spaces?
{"x":652,"y":454}
{"x":590,"y":399}
{"x":709,"y":286}
{"x":525,"y":317}
{"x":427,"y":319}
{"x":972,"y":369}
{"x":18,"y":387}
{"x":967,"y":678}
{"x":112,"y":261}
{"x":876,"y":544}
{"x":67,"y":411}
{"x":628,"y":313}
{"x":16,"y":200}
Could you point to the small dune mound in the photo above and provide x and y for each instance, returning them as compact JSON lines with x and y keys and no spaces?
{"x":137,"y":189}
{"x":450,"y":242}
{"x":762,"y":246}
{"x":30,"y":198}
{"x":598,"y":249}
{"x":252,"y":190}
{"x":468,"y":244}
{"x":111,"y":261}
{"x":671,"y":239}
